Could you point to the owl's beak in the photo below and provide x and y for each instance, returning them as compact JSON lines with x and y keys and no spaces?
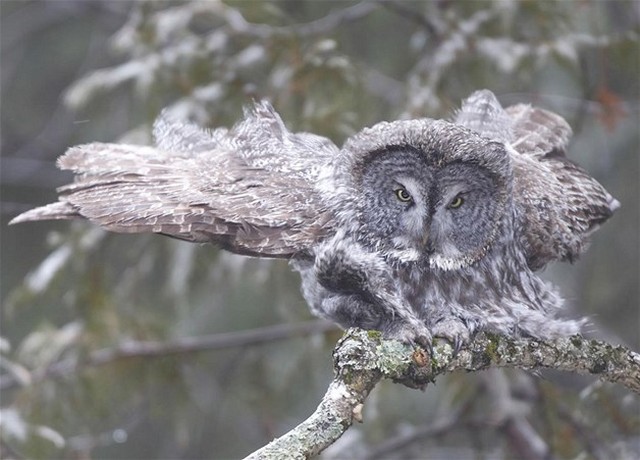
{"x":427,"y":246}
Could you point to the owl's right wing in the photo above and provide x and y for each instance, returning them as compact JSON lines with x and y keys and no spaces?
{"x":250,"y":189}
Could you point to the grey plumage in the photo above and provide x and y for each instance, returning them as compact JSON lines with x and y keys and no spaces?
{"x":559,"y":203}
{"x":247,"y":189}
{"x":416,"y":228}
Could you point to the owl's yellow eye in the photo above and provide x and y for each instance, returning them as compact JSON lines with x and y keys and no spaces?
{"x":403,"y":195}
{"x":456,"y":203}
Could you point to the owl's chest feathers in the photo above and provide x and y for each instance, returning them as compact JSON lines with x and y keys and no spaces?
{"x":501,"y":278}
{"x":433,"y":288}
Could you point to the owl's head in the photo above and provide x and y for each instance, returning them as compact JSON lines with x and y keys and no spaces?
{"x":428,"y":191}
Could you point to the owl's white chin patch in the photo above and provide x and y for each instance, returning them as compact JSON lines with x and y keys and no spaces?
{"x":446,"y":263}
{"x":404,"y":255}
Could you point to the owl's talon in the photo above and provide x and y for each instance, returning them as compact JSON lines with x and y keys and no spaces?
{"x":457,"y":346}
{"x":414,"y":334}
{"x":423,"y":342}
{"x":454,"y":331}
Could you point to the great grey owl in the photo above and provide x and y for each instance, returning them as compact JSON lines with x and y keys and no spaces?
{"x":417,"y":228}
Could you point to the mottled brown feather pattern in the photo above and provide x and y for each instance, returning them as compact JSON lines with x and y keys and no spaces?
{"x":535,"y":131}
{"x":560,"y":204}
{"x":226,"y":191}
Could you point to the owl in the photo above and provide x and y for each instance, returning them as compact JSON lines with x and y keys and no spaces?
{"x":417,"y":228}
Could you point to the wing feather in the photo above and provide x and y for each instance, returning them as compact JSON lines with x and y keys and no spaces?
{"x":250,"y":189}
{"x":538,"y":132}
{"x":560,"y":205}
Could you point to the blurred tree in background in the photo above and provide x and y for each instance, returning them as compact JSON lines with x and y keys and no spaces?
{"x":80,"y":71}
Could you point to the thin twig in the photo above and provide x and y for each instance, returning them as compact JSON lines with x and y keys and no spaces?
{"x":321,"y":26}
{"x":402,"y":10}
{"x":441,"y":426}
{"x":139,"y":349}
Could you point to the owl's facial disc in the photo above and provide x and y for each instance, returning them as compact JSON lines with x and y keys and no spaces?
{"x":413,"y":220}
{"x":465,"y":216}
{"x":394,"y":204}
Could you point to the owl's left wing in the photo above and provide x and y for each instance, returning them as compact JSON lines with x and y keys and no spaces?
{"x":481,"y":112}
{"x":250,"y":189}
{"x":559,"y":203}
{"x":538,"y":132}
{"x":528,"y":130}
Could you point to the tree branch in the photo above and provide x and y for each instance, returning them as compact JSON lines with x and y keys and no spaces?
{"x":363,"y":358}
{"x":320,"y":26}
{"x":150,"y":349}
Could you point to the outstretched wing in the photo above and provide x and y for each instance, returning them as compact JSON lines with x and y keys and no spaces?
{"x":528,"y":130}
{"x":249,"y":189}
{"x":538,"y":132}
{"x":481,"y":112}
{"x":559,"y":203}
